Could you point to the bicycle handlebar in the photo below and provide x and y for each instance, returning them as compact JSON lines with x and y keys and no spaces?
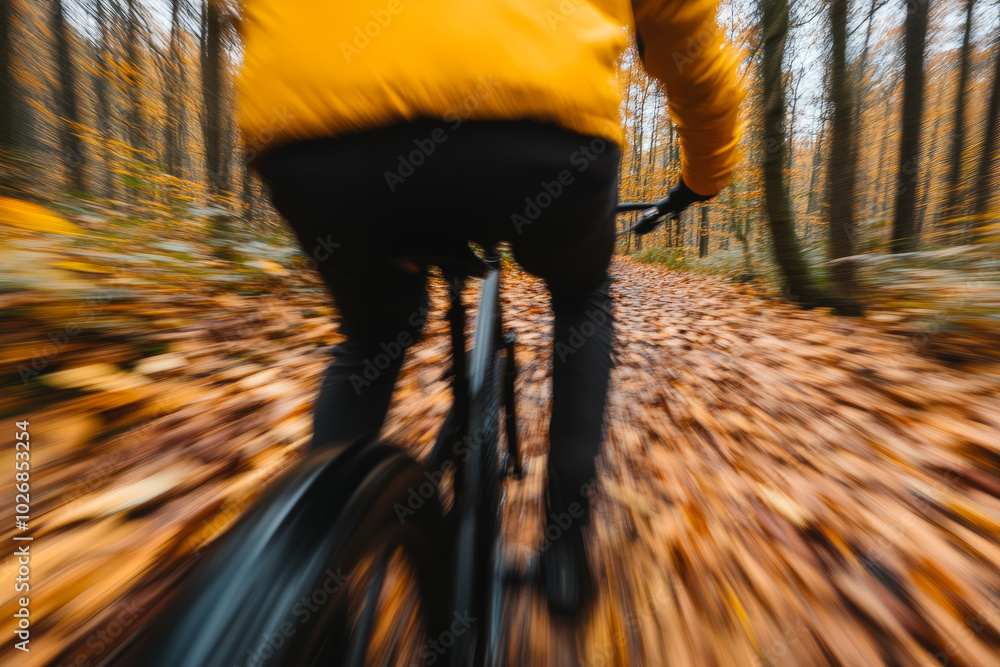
{"x":655,"y":211}
{"x":626,"y":206}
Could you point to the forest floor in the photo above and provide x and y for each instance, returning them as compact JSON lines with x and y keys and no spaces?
{"x":778,"y":486}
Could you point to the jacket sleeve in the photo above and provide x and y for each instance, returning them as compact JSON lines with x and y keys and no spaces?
{"x":682,"y":46}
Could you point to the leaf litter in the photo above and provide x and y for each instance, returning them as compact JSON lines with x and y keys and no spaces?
{"x":778,"y":487}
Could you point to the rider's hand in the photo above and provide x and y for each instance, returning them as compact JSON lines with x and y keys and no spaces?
{"x":681,"y":196}
{"x":678,"y":199}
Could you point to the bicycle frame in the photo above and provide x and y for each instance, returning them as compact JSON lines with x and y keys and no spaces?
{"x":467,"y":385}
{"x":478,"y":478}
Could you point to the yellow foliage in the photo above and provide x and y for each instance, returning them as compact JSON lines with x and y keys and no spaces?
{"x":17,"y":213}
{"x":272,"y":267}
{"x":83,"y":267}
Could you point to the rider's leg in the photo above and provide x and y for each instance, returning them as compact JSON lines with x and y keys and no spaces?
{"x":570,"y":246}
{"x":381,"y":305}
{"x":581,"y":368}
{"x":381,"y":314}
{"x":571,"y":249}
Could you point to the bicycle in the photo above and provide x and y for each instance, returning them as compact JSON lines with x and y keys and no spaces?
{"x":319,"y":544}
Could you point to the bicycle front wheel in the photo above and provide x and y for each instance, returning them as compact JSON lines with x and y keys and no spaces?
{"x":335,"y":566}
{"x":479,"y":502}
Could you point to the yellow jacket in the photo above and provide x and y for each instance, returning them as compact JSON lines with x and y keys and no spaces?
{"x":320,"y":68}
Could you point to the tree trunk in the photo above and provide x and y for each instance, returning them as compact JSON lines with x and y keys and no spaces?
{"x":67,"y":108}
{"x":247,"y":193}
{"x":862,"y":68}
{"x":791,"y":132}
{"x":216,"y":155}
{"x":668,"y":163}
{"x":703,"y":232}
{"x":842,"y":170}
{"x":637,"y":95}
{"x":623,"y":163}
{"x":10,"y":93}
{"x":915,"y":39}
{"x":984,"y":173}
{"x":651,"y":164}
{"x":740,"y":230}
{"x":647,"y":172}
{"x":105,"y":122}
{"x":798,"y":283}
{"x":953,"y":209}
{"x":817,"y":161}
{"x":882,"y":179}
{"x":860,"y":79}
{"x":133,"y":83}
{"x":931,"y":172}
{"x":638,"y":136}
{"x":174,"y":121}
{"x":670,"y":158}
{"x":929,"y":180}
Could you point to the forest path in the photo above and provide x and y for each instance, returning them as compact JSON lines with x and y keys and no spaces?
{"x":778,"y":486}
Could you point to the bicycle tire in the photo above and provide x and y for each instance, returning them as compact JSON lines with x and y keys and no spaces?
{"x":374,"y":526}
{"x":478,"y":514}
{"x":318,"y":522}
{"x":494,"y":498}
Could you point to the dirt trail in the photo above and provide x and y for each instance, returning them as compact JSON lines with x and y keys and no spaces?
{"x":778,"y":487}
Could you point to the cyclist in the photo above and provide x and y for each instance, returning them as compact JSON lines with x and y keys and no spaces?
{"x":388,"y":128}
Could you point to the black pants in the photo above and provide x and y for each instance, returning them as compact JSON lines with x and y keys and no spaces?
{"x":357,"y":202}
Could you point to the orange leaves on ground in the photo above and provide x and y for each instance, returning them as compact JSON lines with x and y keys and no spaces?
{"x":777,"y":486}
